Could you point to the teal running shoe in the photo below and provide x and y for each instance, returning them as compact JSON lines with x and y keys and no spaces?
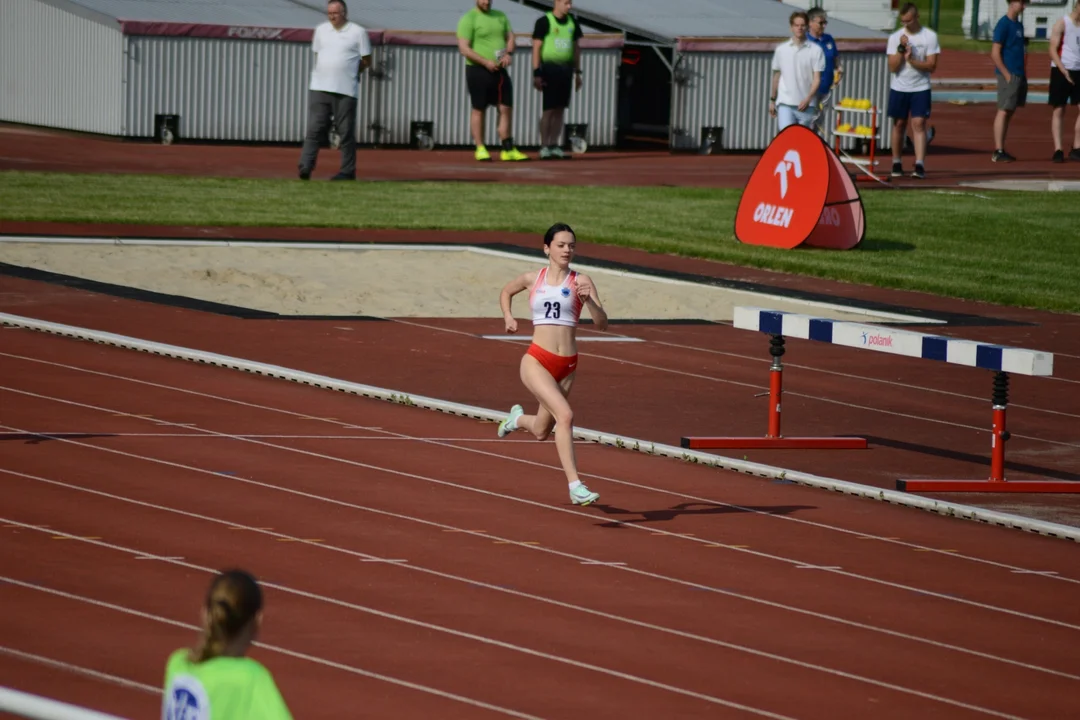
{"x":509,"y":425}
{"x":582,"y":495}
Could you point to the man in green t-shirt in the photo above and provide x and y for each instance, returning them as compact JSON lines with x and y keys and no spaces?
{"x":487,"y":42}
{"x":556,"y":59}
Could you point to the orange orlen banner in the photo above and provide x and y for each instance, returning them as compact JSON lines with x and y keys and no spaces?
{"x":800,"y":193}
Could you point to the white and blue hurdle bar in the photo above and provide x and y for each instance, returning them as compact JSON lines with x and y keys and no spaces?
{"x":998,"y":358}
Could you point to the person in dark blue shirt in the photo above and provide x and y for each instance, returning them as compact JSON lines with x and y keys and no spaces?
{"x":831,"y":75}
{"x":1010,"y":66}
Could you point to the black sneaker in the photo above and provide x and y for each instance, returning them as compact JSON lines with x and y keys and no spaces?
{"x":1074,"y":154}
{"x":1002,"y":156}
{"x":897,"y":169}
{"x":305,"y":174}
{"x":918,"y":173}
{"x":344,"y":176}
{"x":1059,"y":157}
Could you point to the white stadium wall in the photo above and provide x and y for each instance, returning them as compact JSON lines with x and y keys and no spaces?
{"x":60,"y":68}
{"x":426,"y":83}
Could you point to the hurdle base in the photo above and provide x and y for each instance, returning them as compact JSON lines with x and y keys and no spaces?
{"x":779,"y":443}
{"x":989,"y":486}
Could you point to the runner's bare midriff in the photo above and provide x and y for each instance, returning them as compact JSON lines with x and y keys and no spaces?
{"x":558,"y":339}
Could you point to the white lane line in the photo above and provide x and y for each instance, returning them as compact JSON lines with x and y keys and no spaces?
{"x":484,"y":535}
{"x":583,"y":338}
{"x":512,"y":647}
{"x":78,"y":669}
{"x":748,"y":551}
{"x":1036,"y":572}
{"x":663,"y":491}
{"x":276,"y":649}
{"x":108,"y":435}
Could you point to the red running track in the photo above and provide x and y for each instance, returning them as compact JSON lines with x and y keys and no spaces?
{"x":417,"y":567}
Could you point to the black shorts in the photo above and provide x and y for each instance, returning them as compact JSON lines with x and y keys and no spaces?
{"x":1062,"y":92}
{"x":558,"y":85}
{"x":488,"y":88}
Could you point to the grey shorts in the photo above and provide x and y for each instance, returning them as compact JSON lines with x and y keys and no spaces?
{"x":1011,"y":94}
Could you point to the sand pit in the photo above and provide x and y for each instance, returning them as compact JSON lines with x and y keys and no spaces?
{"x":413,"y":281}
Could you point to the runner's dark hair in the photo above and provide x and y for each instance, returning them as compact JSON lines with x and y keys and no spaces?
{"x":555,"y":230}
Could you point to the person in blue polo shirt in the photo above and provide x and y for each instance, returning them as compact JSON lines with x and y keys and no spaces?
{"x":1009,"y":56}
{"x":831,"y":75}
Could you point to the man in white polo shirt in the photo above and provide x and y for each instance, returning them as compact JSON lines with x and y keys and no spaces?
{"x":342,"y":53}
{"x":913,"y":54}
{"x":797,"y":66}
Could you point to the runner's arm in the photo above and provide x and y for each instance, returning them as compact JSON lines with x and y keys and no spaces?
{"x":512,"y":288}
{"x":591,"y":299}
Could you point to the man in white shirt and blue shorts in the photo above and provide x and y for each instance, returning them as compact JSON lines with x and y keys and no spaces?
{"x":797,"y":66}
{"x":913,"y":51}
{"x":342,"y":52}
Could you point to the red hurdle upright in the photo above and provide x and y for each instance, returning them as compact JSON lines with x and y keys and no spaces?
{"x":774,"y":440}
{"x":996,"y":483}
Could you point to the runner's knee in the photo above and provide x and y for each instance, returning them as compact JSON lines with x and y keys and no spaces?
{"x":565,"y":418}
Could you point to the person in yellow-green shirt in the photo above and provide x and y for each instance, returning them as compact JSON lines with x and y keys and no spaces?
{"x":487,"y":42}
{"x":215,"y":681}
{"x":556,"y":63}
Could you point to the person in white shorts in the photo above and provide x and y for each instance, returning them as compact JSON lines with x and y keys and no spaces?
{"x":1065,"y":79}
{"x":797,"y":66}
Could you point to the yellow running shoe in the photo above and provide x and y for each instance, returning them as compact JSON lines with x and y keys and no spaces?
{"x":512,"y":155}
{"x":482,"y":153}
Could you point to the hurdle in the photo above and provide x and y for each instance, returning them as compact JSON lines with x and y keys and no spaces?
{"x":1000,"y":359}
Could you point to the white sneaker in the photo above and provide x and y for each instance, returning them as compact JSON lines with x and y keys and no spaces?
{"x":582,"y":495}
{"x":509,"y":425}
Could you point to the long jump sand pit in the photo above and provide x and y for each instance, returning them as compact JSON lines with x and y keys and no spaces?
{"x":431,"y":281}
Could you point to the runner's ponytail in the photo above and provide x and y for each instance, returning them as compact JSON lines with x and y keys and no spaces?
{"x":233,"y":601}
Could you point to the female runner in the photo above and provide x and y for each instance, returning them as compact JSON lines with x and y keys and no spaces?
{"x":216,"y":681}
{"x":556,"y":296}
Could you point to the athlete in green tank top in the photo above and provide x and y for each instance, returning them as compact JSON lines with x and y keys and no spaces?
{"x":556,"y":59}
{"x":222,"y":688}
{"x":558,"y":45}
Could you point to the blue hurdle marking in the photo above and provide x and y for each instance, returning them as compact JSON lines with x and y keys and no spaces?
{"x":897,"y":342}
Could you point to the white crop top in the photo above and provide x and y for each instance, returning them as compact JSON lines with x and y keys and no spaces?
{"x":555,"y":304}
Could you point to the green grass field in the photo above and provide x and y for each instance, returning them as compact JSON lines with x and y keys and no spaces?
{"x":950,"y":28}
{"x":1018,"y":249}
